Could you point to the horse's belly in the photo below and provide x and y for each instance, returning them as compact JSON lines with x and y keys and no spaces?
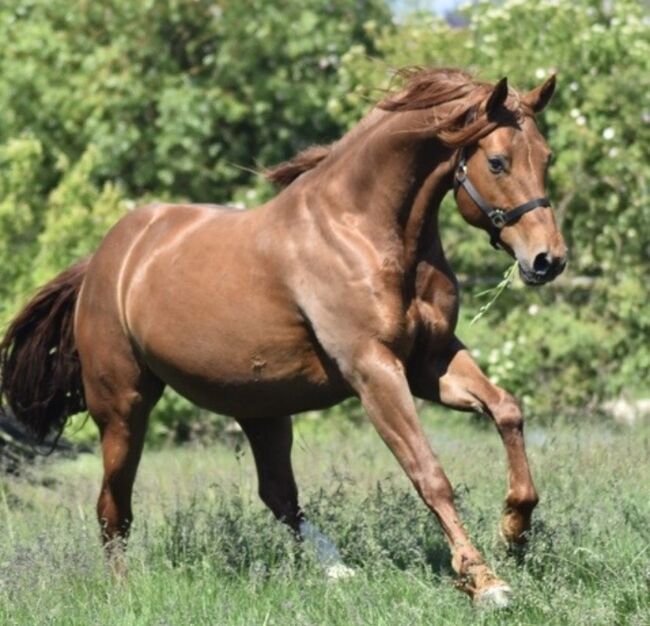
{"x":246,"y":376}
{"x":259,"y":398}
{"x":240,"y":363}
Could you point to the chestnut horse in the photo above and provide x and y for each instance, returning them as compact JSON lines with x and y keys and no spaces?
{"x":338,"y":286}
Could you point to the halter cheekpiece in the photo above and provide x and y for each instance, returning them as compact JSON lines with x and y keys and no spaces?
{"x":498,"y":217}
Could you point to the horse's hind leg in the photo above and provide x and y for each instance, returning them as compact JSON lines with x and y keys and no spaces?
{"x":119,"y":395}
{"x":271,"y":440}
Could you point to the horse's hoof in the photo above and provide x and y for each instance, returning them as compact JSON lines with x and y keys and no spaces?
{"x":339,"y":571}
{"x":496,"y":597}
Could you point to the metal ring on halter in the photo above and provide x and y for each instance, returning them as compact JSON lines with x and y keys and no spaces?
{"x":498,"y":218}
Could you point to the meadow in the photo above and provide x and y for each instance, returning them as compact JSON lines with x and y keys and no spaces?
{"x":205,"y":551}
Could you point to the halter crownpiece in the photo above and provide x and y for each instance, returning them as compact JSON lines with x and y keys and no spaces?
{"x":499,"y":218}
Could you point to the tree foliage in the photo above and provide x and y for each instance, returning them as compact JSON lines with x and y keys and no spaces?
{"x":105,"y":105}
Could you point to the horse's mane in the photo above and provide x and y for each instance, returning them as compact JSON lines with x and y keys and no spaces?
{"x":285,"y":173}
{"x":424,"y":88}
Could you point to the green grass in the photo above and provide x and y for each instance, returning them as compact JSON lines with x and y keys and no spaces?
{"x":205,"y":551}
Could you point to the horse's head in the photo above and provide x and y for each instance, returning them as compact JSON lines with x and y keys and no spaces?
{"x":500,"y":184}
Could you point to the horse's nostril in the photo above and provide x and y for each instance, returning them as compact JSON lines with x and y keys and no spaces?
{"x":542,"y":264}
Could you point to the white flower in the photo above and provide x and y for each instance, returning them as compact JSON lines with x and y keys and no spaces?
{"x":612,"y":153}
{"x":533,"y":309}
{"x":574,"y":113}
{"x":581,"y":120}
{"x":573,"y":87}
{"x":540,"y":73}
{"x":609,"y":133}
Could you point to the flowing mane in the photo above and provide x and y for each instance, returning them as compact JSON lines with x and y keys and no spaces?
{"x":423,"y":88}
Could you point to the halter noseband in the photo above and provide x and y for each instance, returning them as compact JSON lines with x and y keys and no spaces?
{"x":498,"y":217}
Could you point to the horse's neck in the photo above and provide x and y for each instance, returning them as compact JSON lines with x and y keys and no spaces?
{"x":392,"y":176}
{"x":422,"y":236}
{"x":404,"y":179}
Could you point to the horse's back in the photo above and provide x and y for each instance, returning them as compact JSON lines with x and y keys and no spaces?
{"x":123,"y":247}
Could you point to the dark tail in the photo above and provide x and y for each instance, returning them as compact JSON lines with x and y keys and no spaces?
{"x":40,"y":371}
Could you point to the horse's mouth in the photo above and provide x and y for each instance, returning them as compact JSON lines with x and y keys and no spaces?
{"x":533,"y":279}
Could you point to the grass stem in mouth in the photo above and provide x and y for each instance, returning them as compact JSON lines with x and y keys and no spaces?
{"x":494,"y":292}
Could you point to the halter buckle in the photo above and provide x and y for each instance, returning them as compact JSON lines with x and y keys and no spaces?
{"x":461,"y":172}
{"x":498,"y":218}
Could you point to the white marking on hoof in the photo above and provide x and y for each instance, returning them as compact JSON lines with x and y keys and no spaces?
{"x":497,"y":597}
{"x":325,"y":551}
{"x":339,"y":571}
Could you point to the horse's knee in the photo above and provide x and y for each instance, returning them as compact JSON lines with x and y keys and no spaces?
{"x":522,"y":498}
{"x":435,"y":490}
{"x":508,"y":415}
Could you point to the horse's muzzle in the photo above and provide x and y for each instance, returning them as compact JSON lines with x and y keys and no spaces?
{"x":544,"y":269}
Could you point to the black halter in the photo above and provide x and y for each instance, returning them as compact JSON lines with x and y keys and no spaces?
{"x":498,"y":217}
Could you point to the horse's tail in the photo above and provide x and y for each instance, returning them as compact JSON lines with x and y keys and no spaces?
{"x":40,"y":371}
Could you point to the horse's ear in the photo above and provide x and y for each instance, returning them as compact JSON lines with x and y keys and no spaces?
{"x":497,"y":97}
{"x":538,"y":98}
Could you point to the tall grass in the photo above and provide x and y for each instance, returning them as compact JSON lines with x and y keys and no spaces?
{"x":205,"y":551}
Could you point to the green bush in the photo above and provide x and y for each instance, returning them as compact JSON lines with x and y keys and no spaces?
{"x":106,"y":105}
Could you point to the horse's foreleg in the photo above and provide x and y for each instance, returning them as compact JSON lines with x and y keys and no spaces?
{"x":462,"y":385}
{"x":379,"y":379}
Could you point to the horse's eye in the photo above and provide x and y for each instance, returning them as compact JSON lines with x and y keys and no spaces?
{"x":497,"y":164}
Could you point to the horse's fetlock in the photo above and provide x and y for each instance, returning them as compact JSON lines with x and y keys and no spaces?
{"x":523,"y":500}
